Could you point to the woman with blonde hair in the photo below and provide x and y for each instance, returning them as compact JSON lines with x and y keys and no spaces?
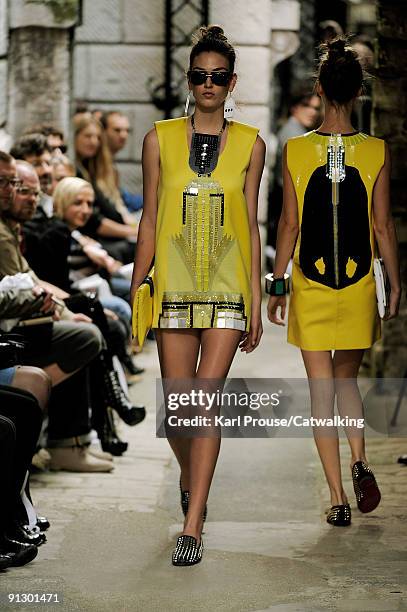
{"x":73,"y":204}
{"x":63,"y":256}
{"x":94,"y":164}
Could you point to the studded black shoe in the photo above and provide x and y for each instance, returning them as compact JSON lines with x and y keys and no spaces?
{"x":187,"y":551}
{"x":339,"y":516}
{"x":185,"y":502}
{"x":365,"y":487}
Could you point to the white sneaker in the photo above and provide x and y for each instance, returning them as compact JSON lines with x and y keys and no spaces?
{"x":77,"y":459}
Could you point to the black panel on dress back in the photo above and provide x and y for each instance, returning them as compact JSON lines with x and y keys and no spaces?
{"x":317,"y":230}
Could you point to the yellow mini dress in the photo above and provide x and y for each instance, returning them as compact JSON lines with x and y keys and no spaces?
{"x":203,"y":247}
{"x":333,"y":297}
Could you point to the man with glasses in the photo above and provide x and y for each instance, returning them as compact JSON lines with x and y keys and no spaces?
{"x":8,"y":180}
{"x":34,"y":149}
{"x":72,"y":346}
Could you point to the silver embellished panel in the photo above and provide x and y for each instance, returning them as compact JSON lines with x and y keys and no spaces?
{"x":183,"y":310}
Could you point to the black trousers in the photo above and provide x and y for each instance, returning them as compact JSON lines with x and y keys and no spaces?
{"x":20,"y":426}
{"x":69,"y":408}
{"x":73,"y":346}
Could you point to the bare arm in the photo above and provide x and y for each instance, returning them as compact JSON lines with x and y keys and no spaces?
{"x":251,"y":191}
{"x":146,"y":236}
{"x":385,"y":232}
{"x":112,"y":229}
{"x":287,"y":233}
{"x":59,"y":293}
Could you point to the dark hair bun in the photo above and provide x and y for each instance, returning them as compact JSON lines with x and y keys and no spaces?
{"x":340,"y":72}
{"x":212,"y":38}
{"x":336,"y":47}
{"x":213,"y":32}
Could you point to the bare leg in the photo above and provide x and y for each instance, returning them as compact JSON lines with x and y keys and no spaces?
{"x":346,"y":367}
{"x":178,"y":352}
{"x":218,"y":349}
{"x":34,"y":380}
{"x":319,"y":367}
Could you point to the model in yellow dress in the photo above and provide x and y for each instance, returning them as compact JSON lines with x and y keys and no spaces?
{"x":336,"y":207}
{"x":333,"y":297}
{"x":203,"y":249}
{"x":201,"y":179}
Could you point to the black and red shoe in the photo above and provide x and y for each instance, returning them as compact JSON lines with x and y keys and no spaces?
{"x":365,"y":487}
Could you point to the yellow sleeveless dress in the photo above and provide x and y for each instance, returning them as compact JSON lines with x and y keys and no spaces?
{"x":333,"y":298}
{"x":203,"y":248}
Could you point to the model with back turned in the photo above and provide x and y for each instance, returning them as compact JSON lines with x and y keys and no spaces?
{"x":336,"y":206}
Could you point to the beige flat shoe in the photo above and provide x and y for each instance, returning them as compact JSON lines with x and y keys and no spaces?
{"x":77,"y":459}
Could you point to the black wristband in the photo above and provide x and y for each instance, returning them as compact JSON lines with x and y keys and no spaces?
{"x":277,"y":286}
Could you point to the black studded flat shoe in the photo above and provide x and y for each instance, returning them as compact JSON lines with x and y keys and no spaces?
{"x":187,"y":551}
{"x":365,"y":487}
{"x":185,"y":502}
{"x":339,"y":516}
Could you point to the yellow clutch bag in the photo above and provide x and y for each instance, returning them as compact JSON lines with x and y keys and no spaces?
{"x":143,"y":309}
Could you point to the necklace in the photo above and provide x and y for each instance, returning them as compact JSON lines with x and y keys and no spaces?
{"x":204,"y":154}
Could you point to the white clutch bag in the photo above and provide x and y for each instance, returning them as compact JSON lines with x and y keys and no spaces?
{"x":382,"y":286}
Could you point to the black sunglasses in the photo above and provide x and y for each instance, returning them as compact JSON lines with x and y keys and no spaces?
{"x":220,"y":78}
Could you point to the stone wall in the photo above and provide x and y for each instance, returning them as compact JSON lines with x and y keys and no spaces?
{"x":120,"y":47}
{"x":35,"y":63}
{"x":389,"y":358}
{"x":3,"y":60}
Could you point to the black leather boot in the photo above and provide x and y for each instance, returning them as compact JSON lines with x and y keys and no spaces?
{"x":109,"y":439}
{"x":20,"y":554}
{"x":117,"y":399}
{"x":18,"y":533}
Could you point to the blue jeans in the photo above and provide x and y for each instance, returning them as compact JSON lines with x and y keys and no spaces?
{"x":119,"y":307}
{"x":120,"y":286}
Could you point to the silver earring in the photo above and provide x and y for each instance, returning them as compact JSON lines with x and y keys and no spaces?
{"x":229,"y":107}
{"x":187,"y":104}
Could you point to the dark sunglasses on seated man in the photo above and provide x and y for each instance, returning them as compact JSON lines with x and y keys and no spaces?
{"x":219,"y":77}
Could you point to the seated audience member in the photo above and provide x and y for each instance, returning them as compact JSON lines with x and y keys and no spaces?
{"x":63,"y":353}
{"x":61,"y":168}
{"x":20,"y":425}
{"x":329,"y":29}
{"x":54,"y":136}
{"x":117,"y":129}
{"x":73,"y":204}
{"x":12,"y":262}
{"x":34,"y":149}
{"x":94,"y":164}
{"x":304,"y":114}
{"x":362,"y":109}
{"x":61,"y":255}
